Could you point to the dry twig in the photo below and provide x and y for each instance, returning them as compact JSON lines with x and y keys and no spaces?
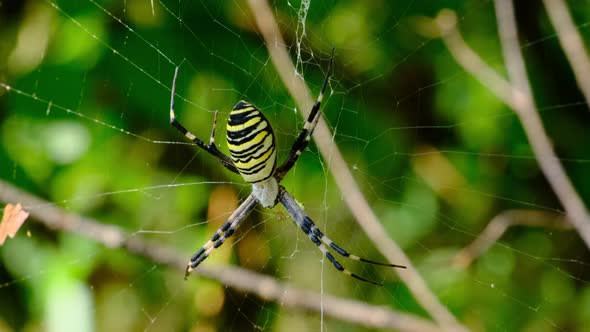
{"x":265,"y":287}
{"x":571,"y":42}
{"x":519,"y":97}
{"x":500,"y":223}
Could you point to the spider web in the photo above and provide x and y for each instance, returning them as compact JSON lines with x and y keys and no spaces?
{"x":84,"y":125}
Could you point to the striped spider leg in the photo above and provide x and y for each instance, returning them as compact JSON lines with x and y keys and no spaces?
{"x":211,"y":147}
{"x":317,"y":237}
{"x":305,"y":135}
{"x":224,"y":232}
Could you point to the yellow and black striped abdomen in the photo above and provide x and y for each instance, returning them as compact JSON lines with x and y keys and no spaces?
{"x":251,"y":142}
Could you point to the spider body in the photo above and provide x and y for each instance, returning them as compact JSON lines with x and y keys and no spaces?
{"x":251,"y":144}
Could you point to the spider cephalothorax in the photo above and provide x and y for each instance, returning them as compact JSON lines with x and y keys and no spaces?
{"x":252,"y":149}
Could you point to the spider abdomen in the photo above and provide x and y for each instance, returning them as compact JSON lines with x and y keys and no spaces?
{"x":251,"y":143}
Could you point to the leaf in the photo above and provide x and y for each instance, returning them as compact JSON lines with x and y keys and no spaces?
{"x":12,"y":219}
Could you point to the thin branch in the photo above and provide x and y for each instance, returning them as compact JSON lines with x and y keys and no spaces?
{"x":265,"y":287}
{"x":513,"y":57}
{"x":353,"y":197}
{"x":519,"y":97}
{"x":470,"y":61}
{"x":498,"y":226}
{"x":571,"y":42}
{"x":532,"y":122}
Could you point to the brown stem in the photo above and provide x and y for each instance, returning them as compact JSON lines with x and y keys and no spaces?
{"x":571,"y":42}
{"x":518,"y":96}
{"x":500,"y":223}
{"x":265,"y":287}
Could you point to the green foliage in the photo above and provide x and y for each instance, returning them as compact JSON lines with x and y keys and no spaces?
{"x":435,"y":152}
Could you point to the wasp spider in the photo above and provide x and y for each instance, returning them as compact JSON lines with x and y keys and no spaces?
{"x":252,"y":148}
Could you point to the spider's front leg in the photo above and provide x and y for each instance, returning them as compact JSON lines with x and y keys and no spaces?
{"x":304,"y":136}
{"x":211,"y":147}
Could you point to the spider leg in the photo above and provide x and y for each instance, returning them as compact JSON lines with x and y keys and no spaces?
{"x":304,"y":225}
{"x":211,"y":147}
{"x":317,"y":237}
{"x":305,"y":135}
{"x":312,"y":228}
{"x":224,"y":232}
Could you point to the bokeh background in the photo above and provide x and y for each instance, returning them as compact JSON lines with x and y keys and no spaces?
{"x":437,"y":155}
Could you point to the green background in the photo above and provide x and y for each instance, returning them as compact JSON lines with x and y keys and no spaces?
{"x":404,"y":114}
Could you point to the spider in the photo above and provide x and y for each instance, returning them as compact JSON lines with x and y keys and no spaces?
{"x":252,"y":148}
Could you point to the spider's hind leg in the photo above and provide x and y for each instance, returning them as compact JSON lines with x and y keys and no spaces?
{"x":305,"y":226}
{"x":313,"y":229}
{"x":317,"y":237}
{"x":224,"y":232}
